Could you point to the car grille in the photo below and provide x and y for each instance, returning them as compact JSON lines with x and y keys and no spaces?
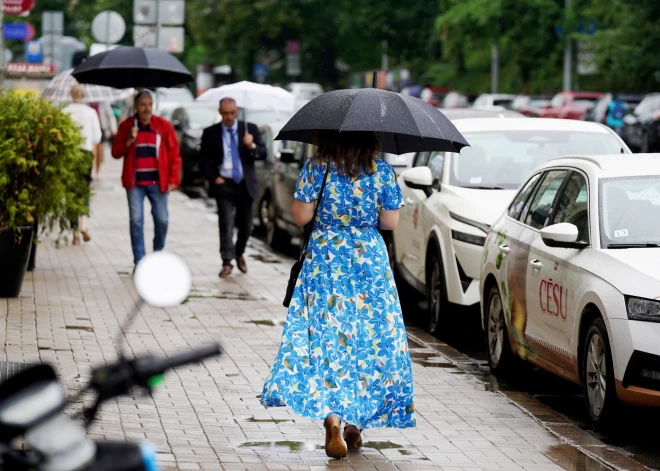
{"x":643,"y":371}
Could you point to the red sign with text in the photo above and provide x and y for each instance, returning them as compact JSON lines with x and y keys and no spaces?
{"x":553,"y":298}
{"x":16,"y":7}
{"x":25,"y":68}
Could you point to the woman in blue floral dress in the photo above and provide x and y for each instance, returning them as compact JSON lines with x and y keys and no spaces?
{"x":344,"y":353}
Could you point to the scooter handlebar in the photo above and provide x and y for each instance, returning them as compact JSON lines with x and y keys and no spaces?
{"x":149,"y":366}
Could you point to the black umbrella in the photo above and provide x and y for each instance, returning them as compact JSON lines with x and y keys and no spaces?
{"x":133,"y":67}
{"x":402,"y":123}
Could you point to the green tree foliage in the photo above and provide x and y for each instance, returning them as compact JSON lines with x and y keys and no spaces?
{"x":41,"y":165}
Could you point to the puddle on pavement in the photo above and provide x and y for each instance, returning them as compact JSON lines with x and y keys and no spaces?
{"x":572,"y":459}
{"x":271,"y":323}
{"x":220,"y":295}
{"x":79,"y":327}
{"x":414,"y":344}
{"x":268,"y":421}
{"x":264,"y":259}
{"x":382,"y":445}
{"x":430,"y":360}
{"x":282,"y":447}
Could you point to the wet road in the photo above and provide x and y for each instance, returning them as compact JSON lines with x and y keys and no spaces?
{"x":635,"y":433}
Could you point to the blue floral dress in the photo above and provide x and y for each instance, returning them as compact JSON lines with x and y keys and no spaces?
{"x":344,"y":349}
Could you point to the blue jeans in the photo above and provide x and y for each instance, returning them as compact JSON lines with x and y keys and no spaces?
{"x":158,"y":202}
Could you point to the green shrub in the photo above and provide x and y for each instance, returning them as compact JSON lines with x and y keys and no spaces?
{"x":41,"y":164}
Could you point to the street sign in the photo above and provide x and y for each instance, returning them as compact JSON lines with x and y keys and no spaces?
{"x":52,"y":26}
{"x":144,"y":36}
{"x":97,"y":48}
{"x":170,"y":39}
{"x":34,"y":52}
{"x":18,"y":31}
{"x":27,"y":69}
{"x":108,"y":27}
{"x":293,"y":47}
{"x":16,"y":7}
{"x":293,"y":65}
{"x":144,"y":12}
{"x":260,"y":71}
{"x":172,"y":12}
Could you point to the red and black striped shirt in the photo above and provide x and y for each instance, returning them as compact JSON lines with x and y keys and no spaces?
{"x":146,"y":155}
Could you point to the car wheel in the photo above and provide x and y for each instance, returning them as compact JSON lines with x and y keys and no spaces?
{"x":274,"y":235}
{"x":183,"y":175}
{"x":500,"y":356}
{"x":263,"y":210}
{"x":435,"y":295}
{"x":597,"y":370}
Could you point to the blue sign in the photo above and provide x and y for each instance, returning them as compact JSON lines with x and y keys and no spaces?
{"x":260,"y":70}
{"x":34,"y":52}
{"x":16,"y":31}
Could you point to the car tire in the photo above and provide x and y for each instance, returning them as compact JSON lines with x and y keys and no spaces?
{"x":275,"y":237}
{"x":264,"y":210}
{"x":436,"y":295}
{"x":500,"y":355}
{"x":597,"y":372}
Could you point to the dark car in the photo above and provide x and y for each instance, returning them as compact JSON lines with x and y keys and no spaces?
{"x":189,"y":121}
{"x":641,"y":128}
{"x":598,"y":113}
{"x":280,"y":226}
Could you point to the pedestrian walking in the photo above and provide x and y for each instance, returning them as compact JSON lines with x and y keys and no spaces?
{"x":108,"y":129}
{"x":90,"y":129}
{"x":152,"y":168}
{"x":616,"y":111}
{"x":228,"y":152}
{"x":344,"y":352}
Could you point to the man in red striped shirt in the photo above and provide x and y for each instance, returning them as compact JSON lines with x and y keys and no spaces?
{"x":152,"y":168}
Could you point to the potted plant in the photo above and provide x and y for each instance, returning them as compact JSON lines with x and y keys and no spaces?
{"x":41,"y":168}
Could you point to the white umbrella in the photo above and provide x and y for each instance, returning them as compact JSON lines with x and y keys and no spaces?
{"x":253,"y":97}
{"x":59,"y":90}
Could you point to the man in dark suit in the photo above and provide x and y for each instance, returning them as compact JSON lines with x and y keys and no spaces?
{"x":228,"y":153}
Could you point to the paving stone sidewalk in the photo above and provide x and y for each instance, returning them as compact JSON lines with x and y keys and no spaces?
{"x":208,"y":416}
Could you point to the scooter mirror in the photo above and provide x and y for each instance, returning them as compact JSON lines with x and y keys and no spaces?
{"x":163,"y":279}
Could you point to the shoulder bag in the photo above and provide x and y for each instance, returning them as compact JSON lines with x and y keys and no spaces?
{"x":297,"y":267}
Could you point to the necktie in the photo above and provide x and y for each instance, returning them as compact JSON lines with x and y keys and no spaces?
{"x":235,"y":157}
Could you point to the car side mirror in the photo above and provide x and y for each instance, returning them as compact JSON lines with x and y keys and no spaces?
{"x":178,"y":125}
{"x":419,"y":178}
{"x":562,"y":235}
{"x":287,"y":156}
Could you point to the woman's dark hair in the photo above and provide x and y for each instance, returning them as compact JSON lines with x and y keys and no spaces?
{"x":353,"y":152}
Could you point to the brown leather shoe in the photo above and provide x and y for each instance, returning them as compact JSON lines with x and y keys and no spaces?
{"x":353,"y":437}
{"x":240,"y":263}
{"x":335,"y":446}
{"x":226,"y":271}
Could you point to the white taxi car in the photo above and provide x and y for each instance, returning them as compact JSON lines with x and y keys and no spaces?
{"x":571,"y":278}
{"x":452,"y":199}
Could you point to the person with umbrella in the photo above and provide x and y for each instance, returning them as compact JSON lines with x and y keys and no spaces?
{"x":228,"y":152}
{"x":344,"y":352}
{"x":152,"y":168}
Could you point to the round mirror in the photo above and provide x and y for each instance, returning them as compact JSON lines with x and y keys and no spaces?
{"x":163,"y":279}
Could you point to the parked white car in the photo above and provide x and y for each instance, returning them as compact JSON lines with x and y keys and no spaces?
{"x":571,"y":278}
{"x":452,"y":199}
{"x":494,"y":101}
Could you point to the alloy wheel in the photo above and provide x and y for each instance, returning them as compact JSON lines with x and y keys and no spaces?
{"x":264,"y":212}
{"x":436,"y":297}
{"x":495,"y":329}
{"x":270,"y":224}
{"x":596,"y":377}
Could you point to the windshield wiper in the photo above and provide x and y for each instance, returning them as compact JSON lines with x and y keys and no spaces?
{"x":633,"y":246}
{"x":484,"y":187}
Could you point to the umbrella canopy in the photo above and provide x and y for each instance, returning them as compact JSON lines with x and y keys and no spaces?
{"x":402,"y":123}
{"x":59,"y":90}
{"x":126,"y":67}
{"x":253,"y":97}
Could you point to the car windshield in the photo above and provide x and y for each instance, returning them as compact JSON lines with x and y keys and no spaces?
{"x":503,"y":159}
{"x":630,"y":211}
{"x":504,"y":103}
{"x":200,"y":118}
{"x":584,"y":103}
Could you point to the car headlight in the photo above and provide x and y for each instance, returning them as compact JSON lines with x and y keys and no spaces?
{"x":479,"y":225}
{"x":640,"y":309}
{"x":468,"y":238}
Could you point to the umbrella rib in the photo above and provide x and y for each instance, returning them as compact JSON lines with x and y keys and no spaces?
{"x":341,"y":128}
{"x":412,"y":117}
{"x":431,"y":119}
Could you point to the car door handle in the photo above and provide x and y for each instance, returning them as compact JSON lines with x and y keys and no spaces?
{"x":536,"y":264}
{"x":410,"y":201}
{"x":505,"y":249}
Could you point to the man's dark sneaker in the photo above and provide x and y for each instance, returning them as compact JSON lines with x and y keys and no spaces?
{"x":242,"y":266}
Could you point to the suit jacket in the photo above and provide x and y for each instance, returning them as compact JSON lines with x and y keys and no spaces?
{"x":212,"y":154}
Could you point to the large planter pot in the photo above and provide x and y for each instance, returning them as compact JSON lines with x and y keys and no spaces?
{"x":14,"y":258}
{"x":33,"y":252}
